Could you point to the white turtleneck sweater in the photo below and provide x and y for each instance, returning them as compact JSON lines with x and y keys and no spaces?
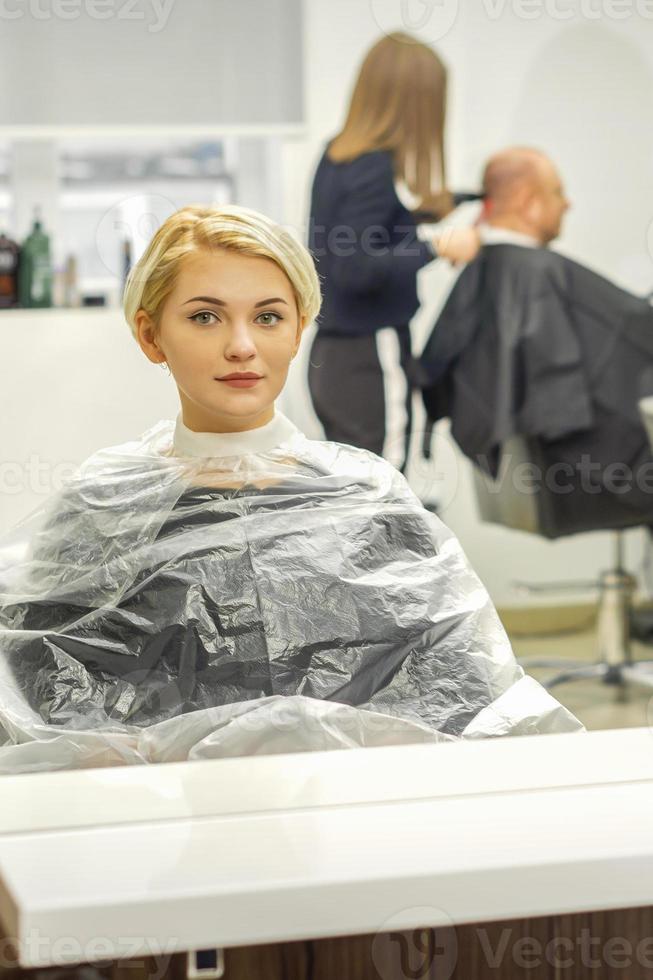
{"x":215,"y":444}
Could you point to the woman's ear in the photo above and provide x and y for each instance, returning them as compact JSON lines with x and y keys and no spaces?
{"x":145,"y":335}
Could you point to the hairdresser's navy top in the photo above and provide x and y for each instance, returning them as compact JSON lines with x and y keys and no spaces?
{"x":365,"y":245}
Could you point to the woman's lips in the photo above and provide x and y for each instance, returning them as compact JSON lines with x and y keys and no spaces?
{"x":240,"y":382}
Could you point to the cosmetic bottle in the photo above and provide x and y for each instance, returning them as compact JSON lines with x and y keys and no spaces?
{"x":9,"y":260}
{"x":35,"y":268}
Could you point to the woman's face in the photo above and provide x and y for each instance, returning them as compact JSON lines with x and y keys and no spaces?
{"x":228,"y":313}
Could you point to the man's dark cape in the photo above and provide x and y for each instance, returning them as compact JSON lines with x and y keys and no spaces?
{"x":532,"y":344}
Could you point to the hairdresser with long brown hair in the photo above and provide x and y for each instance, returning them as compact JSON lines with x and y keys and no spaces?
{"x":378,"y":178}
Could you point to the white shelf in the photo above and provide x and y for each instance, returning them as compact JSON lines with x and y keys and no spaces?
{"x":243,"y":851}
{"x":58,"y":312}
{"x":284,"y":131}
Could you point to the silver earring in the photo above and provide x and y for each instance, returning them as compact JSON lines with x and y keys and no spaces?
{"x":165,"y":367}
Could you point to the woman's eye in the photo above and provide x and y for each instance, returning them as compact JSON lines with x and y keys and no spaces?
{"x":201,"y":317}
{"x":268,"y":323}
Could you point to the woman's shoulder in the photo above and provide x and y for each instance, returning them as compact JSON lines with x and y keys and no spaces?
{"x":118,"y":476}
{"x":342,"y":460}
{"x":371,"y":162}
{"x":152,"y":445}
{"x":157,"y":439}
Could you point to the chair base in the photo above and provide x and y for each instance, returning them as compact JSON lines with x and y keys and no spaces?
{"x":639,"y":673}
{"x":616,"y":666}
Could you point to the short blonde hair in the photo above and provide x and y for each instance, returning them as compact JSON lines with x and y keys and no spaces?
{"x":231,"y":227}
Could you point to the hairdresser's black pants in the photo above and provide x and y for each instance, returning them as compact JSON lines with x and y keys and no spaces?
{"x":361,"y":390}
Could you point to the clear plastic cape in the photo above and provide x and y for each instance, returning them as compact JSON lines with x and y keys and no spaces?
{"x":165,"y":607}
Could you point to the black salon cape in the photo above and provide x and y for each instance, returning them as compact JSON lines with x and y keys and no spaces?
{"x":530,"y":343}
{"x":189,"y":633}
{"x":164,"y":606}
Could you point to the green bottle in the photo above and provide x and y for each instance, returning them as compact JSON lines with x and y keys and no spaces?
{"x":35,"y":269}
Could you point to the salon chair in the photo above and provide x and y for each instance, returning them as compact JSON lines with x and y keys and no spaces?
{"x":509,"y":503}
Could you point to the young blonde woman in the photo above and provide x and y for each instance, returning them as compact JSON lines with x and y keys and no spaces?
{"x":377,"y":179}
{"x":186,"y":587}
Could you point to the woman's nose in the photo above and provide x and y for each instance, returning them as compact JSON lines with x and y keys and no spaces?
{"x":240,"y":342}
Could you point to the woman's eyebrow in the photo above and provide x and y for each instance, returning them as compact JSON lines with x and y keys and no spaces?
{"x":273,"y":299}
{"x":205,"y":299}
{"x":221,"y":302}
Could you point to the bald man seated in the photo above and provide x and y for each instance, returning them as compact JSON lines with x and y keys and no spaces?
{"x":524,"y":199}
{"x":531,"y":343}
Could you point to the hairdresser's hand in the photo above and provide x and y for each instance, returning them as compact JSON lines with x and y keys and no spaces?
{"x":458,"y":245}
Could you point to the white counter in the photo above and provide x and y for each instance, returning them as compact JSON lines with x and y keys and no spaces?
{"x":123,"y":862}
